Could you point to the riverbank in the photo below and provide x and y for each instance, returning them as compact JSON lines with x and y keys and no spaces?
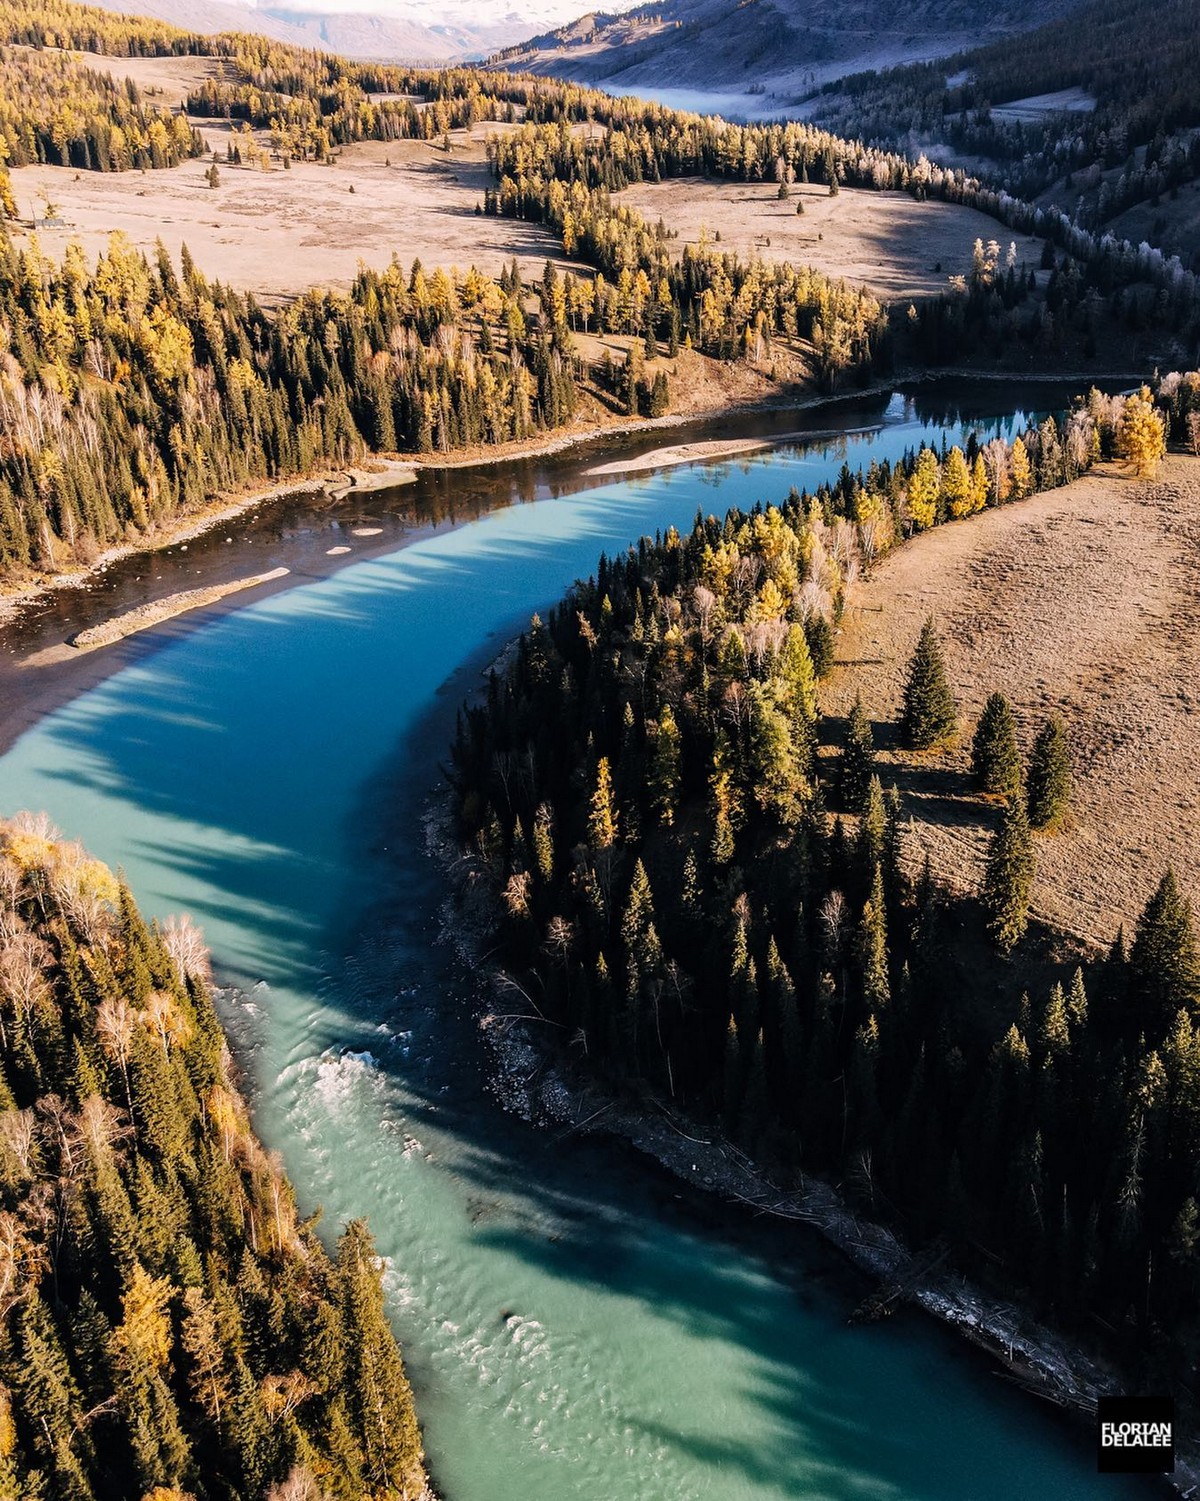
{"x":380,"y":473}
{"x":375,"y":474}
{"x":532,"y":1076}
{"x":794,"y":400}
{"x":682,"y":1335}
{"x":540,"y":1078}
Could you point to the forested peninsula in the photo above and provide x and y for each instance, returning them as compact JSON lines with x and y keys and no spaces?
{"x":709,"y":913}
{"x":171,"y":1328}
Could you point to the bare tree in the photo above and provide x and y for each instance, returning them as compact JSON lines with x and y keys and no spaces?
{"x":299,"y":1486}
{"x":185,"y":943}
{"x":116,"y":1023}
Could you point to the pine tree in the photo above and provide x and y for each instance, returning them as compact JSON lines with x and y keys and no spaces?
{"x":858,"y":760}
{"x":1048,"y":785}
{"x":1164,"y":962}
{"x":929,"y":717}
{"x":785,"y":1018}
{"x":873,"y":952}
{"x":794,"y":668}
{"x":1008,"y":880}
{"x":380,"y":1398}
{"x":819,"y":634}
{"x":733,"y":1073}
{"x":754,"y":1116}
{"x":995,"y":760}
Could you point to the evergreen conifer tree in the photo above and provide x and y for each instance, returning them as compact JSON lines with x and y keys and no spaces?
{"x":1008,"y":880}
{"x":1164,"y":963}
{"x":995,"y":760}
{"x":858,"y":760}
{"x":1048,"y":785}
{"x":873,"y":952}
{"x":820,"y":642}
{"x":929,"y":717}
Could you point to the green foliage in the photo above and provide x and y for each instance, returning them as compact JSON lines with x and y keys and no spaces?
{"x":54,"y":111}
{"x":995,"y":760}
{"x":136,"y":392}
{"x":819,"y":634}
{"x":1164,"y":964}
{"x":766,"y":972}
{"x":1008,"y":880}
{"x":172,"y":1323}
{"x":1048,"y":785}
{"x":858,"y":760}
{"x":929,"y":717}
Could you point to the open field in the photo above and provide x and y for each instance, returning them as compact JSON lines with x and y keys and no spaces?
{"x":164,"y":80}
{"x":277,"y":233}
{"x":1038,"y":106}
{"x":1084,"y":600}
{"x":887,"y":241}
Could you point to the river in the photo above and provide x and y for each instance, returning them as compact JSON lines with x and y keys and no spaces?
{"x":576,"y":1328}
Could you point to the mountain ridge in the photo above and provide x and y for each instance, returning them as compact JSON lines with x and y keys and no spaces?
{"x":790,"y":45}
{"x":408,"y":31}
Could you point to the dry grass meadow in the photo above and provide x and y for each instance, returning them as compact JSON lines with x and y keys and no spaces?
{"x":279,"y":232}
{"x":1085,"y":601}
{"x":888,"y":242}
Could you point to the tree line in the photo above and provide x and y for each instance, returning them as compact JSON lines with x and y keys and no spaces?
{"x":312,"y":101}
{"x":55,"y":111}
{"x":639,"y":793}
{"x":135,"y":391}
{"x":541,"y":167}
{"x":170,"y":1325}
{"x":1134,"y":59}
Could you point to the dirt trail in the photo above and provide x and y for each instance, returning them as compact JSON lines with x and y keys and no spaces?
{"x":1085,"y":600}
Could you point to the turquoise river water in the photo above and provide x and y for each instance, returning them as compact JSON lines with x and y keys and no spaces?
{"x":575,"y":1329}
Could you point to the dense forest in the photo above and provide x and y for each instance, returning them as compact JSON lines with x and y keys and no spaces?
{"x":52,"y":110}
{"x":1134,"y":59}
{"x":544,"y":169}
{"x":641,"y":797}
{"x":170,"y":1327}
{"x":132,"y":390}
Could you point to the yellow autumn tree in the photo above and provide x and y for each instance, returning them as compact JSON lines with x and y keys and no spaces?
{"x":144,"y":1334}
{"x":602,"y":819}
{"x":979,"y":484}
{"x":956,"y":485}
{"x":1142,"y":434}
{"x":923,"y":490}
{"x":1020,"y":471}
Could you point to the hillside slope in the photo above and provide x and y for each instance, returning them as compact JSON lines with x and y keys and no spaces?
{"x":714,"y":44}
{"x":169,"y":1325}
